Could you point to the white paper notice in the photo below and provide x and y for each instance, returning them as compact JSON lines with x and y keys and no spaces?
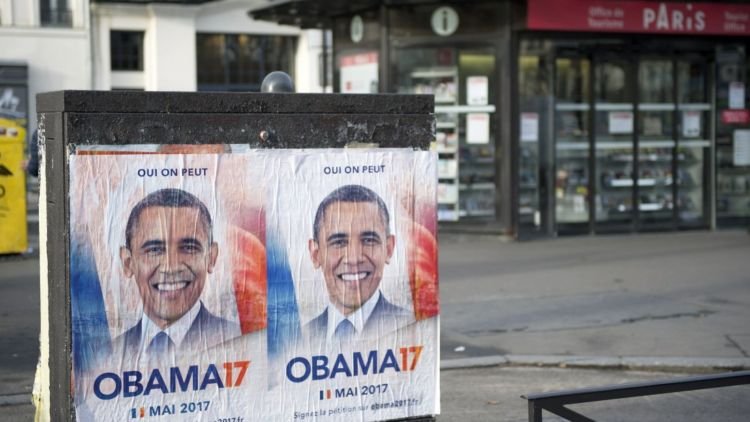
{"x":359,"y":73}
{"x":691,"y":124}
{"x":620,"y":122}
{"x":477,"y":128}
{"x":529,"y":127}
{"x":742,"y":147}
{"x":736,"y":95}
{"x":476,"y":90}
{"x":447,"y":193}
{"x":447,"y":169}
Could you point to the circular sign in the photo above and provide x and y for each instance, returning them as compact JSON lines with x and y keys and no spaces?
{"x":444,"y":21}
{"x":356,"y":29}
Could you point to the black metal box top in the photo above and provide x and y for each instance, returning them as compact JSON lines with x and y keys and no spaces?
{"x":199,"y":102}
{"x":259,"y":120}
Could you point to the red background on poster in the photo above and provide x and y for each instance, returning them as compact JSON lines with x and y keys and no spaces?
{"x":654,"y":17}
{"x":741,"y":117}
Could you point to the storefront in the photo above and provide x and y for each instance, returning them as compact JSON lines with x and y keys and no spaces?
{"x":583,"y":116}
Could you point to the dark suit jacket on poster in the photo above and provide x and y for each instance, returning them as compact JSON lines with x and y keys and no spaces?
{"x":207,"y":331}
{"x":385,"y":318}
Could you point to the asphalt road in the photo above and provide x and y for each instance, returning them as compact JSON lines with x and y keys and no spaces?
{"x":19,"y":324}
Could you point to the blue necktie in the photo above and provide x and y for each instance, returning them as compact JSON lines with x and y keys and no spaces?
{"x":344,"y":331}
{"x":160,"y":345}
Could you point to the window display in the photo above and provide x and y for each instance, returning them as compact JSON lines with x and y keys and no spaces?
{"x":572,"y":111}
{"x":460,"y":80}
{"x":631,"y":139}
{"x":733,"y":171}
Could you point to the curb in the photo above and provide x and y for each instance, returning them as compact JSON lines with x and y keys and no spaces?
{"x":643,"y":363}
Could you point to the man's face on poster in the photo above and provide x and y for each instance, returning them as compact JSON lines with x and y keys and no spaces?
{"x":352,"y":248}
{"x":169,"y":256}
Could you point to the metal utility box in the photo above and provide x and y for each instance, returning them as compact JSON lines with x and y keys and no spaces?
{"x":201,"y":252}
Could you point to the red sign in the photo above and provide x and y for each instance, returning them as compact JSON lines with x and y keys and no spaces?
{"x":737,"y":117}
{"x":359,"y":59}
{"x":653,"y":17}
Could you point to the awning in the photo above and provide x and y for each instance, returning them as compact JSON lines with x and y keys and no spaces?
{"x":320,"y":13}
{"x":309,"y":13}
{"x":178,"y":2}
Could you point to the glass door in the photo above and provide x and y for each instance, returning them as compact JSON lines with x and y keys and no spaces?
{"x":693,"y":141}
{"x":572,"y":144}
{"x":462,"y":82}
{"x":654,"y":161}
{"x":615,"y":164}
{"x":732,"y":98}
{"x":632,"y":139}
{"x":535,"y":103}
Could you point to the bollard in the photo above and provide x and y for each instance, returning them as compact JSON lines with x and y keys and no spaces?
{"x":210,"y":256}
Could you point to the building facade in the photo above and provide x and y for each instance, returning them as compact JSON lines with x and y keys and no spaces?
{"x":45,"y":46}
{"x":197,"y":45}
{"x":553,"y":118}
{"x":168,"y":45}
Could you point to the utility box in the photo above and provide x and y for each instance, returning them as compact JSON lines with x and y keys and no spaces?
{"x":238,"y":257}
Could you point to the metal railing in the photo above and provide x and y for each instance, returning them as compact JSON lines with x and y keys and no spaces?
{"x":556,"y":401}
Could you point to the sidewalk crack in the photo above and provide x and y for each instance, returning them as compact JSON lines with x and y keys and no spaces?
{"x":699,"y":314}
{"x":736,"y":345}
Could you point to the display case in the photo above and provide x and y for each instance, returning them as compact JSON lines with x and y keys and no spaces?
{"x":733,"y":138}
{"x":572,"y":159}
{"x":459,"y":79}
{"x":572,"y":144}
{"x":528,"y":185}
{"x":732,"y":186}
{"x":442,"y":82}
{"x":534,"y":167}
{"x":477,"y":181}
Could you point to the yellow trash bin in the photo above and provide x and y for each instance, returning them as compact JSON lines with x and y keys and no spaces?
{"x":13,"y":228}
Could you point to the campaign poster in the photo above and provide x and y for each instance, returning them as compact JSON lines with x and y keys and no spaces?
{"x":167,"y":283}
{"x":315,"y":269}
{"x":353,"y":286}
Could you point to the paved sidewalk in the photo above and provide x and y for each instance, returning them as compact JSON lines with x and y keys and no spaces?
{"x":493,"y":394}
{"x":661,"y":295}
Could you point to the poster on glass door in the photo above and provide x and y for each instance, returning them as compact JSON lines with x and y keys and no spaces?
{"x":358,"y":73}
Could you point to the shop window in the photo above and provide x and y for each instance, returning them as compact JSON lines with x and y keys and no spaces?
{"x":535,"y":100}
{"x":55,"y":13}
{"x":732,"y":136}
{"x":239,"y":62}
{"x":356,"y":60}
{"x":611,"y":83}
{"x":461,"y":79}
{"x":126,"y":50}
{"x":656,"y":83}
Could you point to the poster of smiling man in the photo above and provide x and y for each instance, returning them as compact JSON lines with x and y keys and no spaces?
{"x":168,"y":283}
{"x":356,"y":316}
